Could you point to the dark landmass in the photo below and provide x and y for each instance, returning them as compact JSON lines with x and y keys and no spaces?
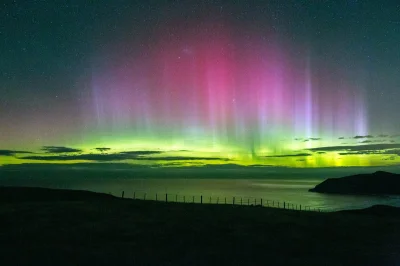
{"x":55,"y":227}
{"x":378,"y":183}
{"x":35,"y":194}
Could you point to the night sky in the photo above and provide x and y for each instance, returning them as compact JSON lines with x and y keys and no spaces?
{"x":187,"y":83}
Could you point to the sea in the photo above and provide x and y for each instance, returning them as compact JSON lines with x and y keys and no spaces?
{"x":274,"y":192}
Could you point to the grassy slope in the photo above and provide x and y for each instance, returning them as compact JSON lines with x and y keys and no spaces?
{"x":98,"y":229}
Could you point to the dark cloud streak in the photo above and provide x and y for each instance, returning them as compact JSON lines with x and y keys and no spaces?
{"x":289,"y":155}
{"x":12,"y":152}
{"x":130,"y":155}
{"x":102,"y":149}
{"x":369,"y":147}
{"x":364,"y":137}
{"x":59,"y":149}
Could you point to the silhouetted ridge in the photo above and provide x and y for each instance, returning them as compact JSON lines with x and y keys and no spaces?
{"x":383,"y":173}
{"x":31,"y":194}
{"x":378,"y":183}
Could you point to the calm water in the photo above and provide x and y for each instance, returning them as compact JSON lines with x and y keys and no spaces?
{"x":251,"y":191}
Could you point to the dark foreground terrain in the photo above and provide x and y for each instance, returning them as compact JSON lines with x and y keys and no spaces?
{"x":50,"y":227}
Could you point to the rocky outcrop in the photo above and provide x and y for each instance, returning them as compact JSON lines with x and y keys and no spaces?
{"x":378,"y":183}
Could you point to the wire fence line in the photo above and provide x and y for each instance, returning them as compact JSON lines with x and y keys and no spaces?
{"x":221,"y":200}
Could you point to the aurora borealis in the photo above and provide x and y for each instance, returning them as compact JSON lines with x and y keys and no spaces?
{"x":173,"y":83}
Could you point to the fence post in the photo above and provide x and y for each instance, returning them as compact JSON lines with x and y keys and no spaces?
{"x":201,"y":199}
{"x":210,"y":200}
{"x":123,"y":192}
{"x":284,"y":205}
{"x":166,"y":197}
{"x":134,"y":195}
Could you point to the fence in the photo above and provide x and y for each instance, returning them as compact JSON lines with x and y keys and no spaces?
{"x":212,"y":199}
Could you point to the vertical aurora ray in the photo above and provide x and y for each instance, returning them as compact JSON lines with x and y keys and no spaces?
{"x":207,"y":90}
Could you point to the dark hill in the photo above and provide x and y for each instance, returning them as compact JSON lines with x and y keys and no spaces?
{"x":64,"y":227}
{"x":34,"y":194}
{"x":378,"y":183}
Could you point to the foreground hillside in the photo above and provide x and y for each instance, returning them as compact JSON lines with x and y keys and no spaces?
{"x":50,"y":227}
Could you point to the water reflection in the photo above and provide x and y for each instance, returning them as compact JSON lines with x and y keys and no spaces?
{"x":246,"y":191}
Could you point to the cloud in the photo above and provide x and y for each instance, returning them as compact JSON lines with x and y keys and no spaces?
{"x":341,"y":138}
{"x":102,"y":149}
{"x":386,"y":152}
{"x":11,"y":152}
{"x":364,"y":137}
{"x":289,"y":155}
{"x":390,"y":158}
{"x":59,"y":149}
{"x":309,"y":139}
{"x":83,"y":157}
{"x":181,"y":158}
{"x":368,"y":147}
{"x":79,"y":157}
{"x":366,"y":141}
{"x":129,"y":155}
{"x":140,"y":153}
